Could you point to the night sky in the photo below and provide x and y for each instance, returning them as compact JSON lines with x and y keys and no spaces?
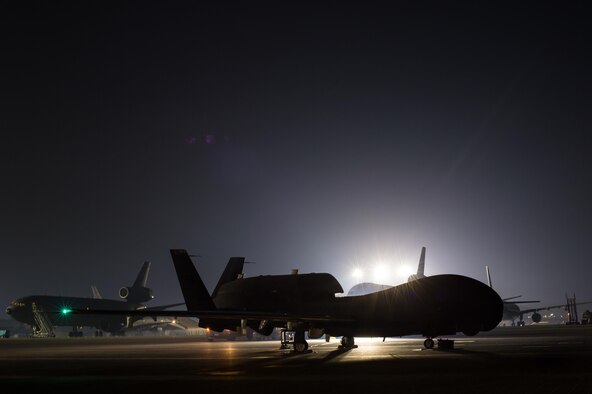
{"x":321,"y":136}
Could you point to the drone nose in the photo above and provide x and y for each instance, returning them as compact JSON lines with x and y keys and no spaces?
{"x":494,"y":304}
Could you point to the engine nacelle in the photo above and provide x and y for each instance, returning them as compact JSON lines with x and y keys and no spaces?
{"x":124,"y":292}
{"x":536,"y":317}
{"x":316,"y":333}
{"x":136,"y":295}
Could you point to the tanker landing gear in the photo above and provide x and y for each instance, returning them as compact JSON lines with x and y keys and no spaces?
{"x":75,"y":333}
{"x":428,"y":343}
{"x":347,"y":343}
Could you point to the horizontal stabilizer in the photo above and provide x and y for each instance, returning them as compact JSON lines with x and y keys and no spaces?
{"x":511,"y":298}
{"x":96,"y":294}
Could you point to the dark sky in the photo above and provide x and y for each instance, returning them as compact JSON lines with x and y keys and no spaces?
{"x":319,"y":136}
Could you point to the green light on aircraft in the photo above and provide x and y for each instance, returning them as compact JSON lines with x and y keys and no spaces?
{"x":66,"y":311}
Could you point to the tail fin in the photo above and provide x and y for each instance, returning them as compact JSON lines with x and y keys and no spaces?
{"x":421,"y":265}
{"x":96,"y":294}
{"x":142,"y":278}
{"x":138,"y":292}
{"x":194,"y":291}
{"x":488,"y":276}
{"x":233,"y":269}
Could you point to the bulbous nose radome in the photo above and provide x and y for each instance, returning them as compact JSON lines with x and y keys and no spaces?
{"x":494,"y":307}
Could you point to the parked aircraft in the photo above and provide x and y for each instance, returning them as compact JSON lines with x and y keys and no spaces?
{"x":512,"y":310}
{"x":35,"y":309}
{"x":432,"y":306}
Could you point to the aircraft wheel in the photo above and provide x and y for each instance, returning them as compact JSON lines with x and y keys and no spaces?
{"x":428,"y":343}
{"x":347,"y":342}
{"x":300,"y":347}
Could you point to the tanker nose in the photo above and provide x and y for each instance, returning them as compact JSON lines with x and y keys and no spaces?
{"x":15,"y":307}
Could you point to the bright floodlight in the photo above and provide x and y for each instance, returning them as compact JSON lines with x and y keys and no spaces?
{"x":405,"y":270}
{"x":357,"y":273}
{"x":379,"y":273}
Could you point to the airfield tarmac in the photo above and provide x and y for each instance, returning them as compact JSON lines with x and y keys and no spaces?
{"x":540,"y":358}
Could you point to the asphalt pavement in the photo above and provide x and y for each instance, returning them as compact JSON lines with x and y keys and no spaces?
{"x":545,"y":359}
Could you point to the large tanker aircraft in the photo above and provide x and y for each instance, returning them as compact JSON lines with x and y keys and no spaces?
{"x":434,"y":306}
{"x":35,"y":310}
{"x":513,"y":312}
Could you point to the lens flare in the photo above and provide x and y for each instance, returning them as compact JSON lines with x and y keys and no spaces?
{"x":405,"y":270}
{"x":357,"y":273}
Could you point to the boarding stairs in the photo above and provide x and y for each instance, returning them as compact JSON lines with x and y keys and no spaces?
{"x":42,"y":327}
{"x":572,"y":310}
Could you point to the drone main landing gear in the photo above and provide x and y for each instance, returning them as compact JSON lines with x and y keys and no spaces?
{"x":347,"y":343}
{"x":300,"y":344}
